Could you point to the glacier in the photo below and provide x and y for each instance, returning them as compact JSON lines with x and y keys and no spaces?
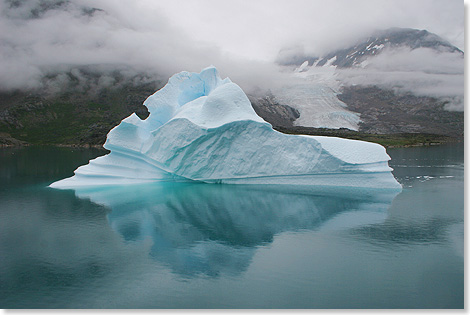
{"x":202,"y":128}
{"x":315,"y":96}
{"x":318,"y":105}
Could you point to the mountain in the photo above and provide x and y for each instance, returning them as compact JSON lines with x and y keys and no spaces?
{"x":379,"y":86}
{"x":399,"y":81}
{"x":372,"y":46}
{"x":391,"y":38}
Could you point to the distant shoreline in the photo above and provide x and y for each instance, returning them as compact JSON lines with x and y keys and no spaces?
{"x":392,"y":140}
{"x":399,"y":140}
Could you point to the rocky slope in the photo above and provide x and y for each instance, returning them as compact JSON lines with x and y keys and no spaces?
{"x":388,"y":112}
{"x":272,"y":111}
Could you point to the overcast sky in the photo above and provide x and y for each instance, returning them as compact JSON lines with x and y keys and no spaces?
{"x":240,"y":37}
{"x":258,"y":29}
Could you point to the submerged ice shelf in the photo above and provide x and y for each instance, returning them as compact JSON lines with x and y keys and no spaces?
{"x":202,"y":128}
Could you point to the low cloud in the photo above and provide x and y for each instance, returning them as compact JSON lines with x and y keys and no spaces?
{"x":423,"y":71}
{"x":65,"y":35}
{"x":42,"y":38}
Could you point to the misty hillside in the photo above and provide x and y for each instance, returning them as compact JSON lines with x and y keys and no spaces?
{"x":78,"y":106}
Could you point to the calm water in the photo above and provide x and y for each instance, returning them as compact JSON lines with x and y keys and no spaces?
{"x":217,"y":246}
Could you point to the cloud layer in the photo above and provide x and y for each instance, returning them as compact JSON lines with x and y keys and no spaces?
{"x":423,"y":71}
{"x":159,"y":38}
{"x":40,"y":37}
{"x":258,"y":29}
{"x":65,"y":35}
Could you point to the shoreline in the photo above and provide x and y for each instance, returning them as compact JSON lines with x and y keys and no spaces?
{"x":386,"y":140}
{"x":391,"y":140}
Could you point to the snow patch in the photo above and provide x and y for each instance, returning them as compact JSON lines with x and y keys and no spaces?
{"x":330,"y":62}
{"x":303,"y":67}
{"x":378,"y":46}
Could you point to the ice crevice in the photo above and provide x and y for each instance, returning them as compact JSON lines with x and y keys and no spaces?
{"x":203,"y":128}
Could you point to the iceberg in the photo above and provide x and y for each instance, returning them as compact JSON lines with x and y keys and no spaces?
{"x":202,"y":128}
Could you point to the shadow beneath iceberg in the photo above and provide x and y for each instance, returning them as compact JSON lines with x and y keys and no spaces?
{"x":206,"y":229}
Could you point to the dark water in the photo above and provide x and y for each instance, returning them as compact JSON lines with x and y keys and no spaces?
{"x":220,"y":246}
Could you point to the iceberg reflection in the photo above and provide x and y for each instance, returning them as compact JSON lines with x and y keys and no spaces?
{"x":212,"y":229}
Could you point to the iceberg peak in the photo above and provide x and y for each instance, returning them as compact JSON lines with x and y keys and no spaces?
{"x":203,"y":128}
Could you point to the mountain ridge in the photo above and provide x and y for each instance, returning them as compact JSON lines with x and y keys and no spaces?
{"x":372,"y":45}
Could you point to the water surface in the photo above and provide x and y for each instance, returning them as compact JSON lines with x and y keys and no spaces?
{"x":222,"y":246}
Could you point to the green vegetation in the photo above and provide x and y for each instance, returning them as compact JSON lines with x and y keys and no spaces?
{"x":71,"y":118}
{"x":62,"y":123}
